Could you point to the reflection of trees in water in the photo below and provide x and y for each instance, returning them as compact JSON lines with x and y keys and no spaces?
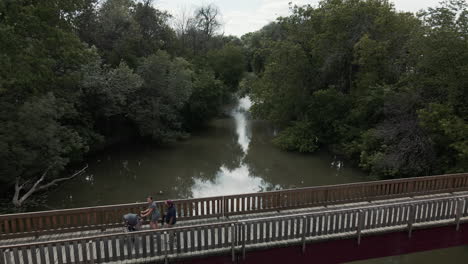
{"x":219,"y":148}
{"x":261,"y":158}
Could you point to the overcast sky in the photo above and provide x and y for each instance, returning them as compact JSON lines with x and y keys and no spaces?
{"x":243,"y":16}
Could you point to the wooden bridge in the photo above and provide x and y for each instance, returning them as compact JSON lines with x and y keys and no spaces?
{"x":232,"y":228}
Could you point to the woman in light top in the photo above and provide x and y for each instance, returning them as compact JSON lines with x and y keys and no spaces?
{"x":152,"y":212}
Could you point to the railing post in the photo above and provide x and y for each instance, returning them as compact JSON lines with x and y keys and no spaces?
{"x":233,"y":242}
{"x":411,"y":219}
{"x":222,"y":206}
{"x":460,"y":206}
{"x":166,"y":251}
{"x":304,"y":231}
{"x":91,"y":251}
{"x":360,"y":225}
{"x":243,"y":236}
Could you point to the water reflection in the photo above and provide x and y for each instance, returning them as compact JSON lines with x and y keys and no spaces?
{"x":233,"y":155}
{"x":240,"y":116}
{"x":228,"y":182}
{"x":239,"y":179}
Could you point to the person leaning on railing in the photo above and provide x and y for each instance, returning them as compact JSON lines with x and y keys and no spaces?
{"x":152,"y":212}
{"x":132,"y":222}
{"x":170,"y":218}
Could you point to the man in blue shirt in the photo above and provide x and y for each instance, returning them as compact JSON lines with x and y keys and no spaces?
{"x":171,"y":215}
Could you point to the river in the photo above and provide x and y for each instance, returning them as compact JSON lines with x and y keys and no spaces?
{"x":233,"y":155}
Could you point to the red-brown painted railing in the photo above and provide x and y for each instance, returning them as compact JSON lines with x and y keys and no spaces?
{"x":233,"y":237}
{"x":101,"y":217}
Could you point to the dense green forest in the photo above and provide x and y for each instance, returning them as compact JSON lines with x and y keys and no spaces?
{"x":385,"y":89}
{"x":79,"y":75}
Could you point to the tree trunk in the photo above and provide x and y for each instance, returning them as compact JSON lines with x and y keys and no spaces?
{"x":18,"y":202}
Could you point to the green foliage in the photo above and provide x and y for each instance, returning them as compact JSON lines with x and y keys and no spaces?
{"x":206,"y":99}
{"x":449,"y":132}
{"x":297,"y":137}
{"x":385,"y":88}
{"x":77,"y":76}
{"x":327,"y":110}
{"x":34,"y":138}
{"x":156,"y":107}
{"x":228,"y":64}
{"x":280,"y":92}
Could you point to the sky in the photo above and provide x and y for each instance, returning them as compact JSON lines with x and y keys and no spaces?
{"x":243,"y":16}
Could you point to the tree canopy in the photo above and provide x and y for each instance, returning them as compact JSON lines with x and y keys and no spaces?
{"x":387,"y":89}
{"x":77,"y":76}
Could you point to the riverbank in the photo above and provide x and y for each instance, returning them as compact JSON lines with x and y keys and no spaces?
{"x":231,"y":155}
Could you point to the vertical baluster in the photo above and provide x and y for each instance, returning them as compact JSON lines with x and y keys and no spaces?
{"x":191,"y":234}
{"x":60,"y":252}
{"x":185,"y":238}
{"x":113,"y":245}
{"x":348,"y":221}
{"x":220,"y":236}
{"x":205,"y":239}
{"x":205,"y":208}
{"x":329,"y":223}
{"x":25,"y":257}
{"x":379,"y":217}
{"x":431,"y":211}
{"x":373,"y":216}
{"x":437,"y":208}
{"x":76,"y":254}
{"x":440,"y":213}
{"x":360,"y":225}
{"x":298,"y":227}
{"x":287,"y":228}
{"x":320,"y":223}
{"x":391,"y":216}
{"x":121,"y":247}
{"x":255,"y":234}
{"x":16,"y":256}
{"x":233,"y":241}
{"x":226,"y":235}
{"x":341,"y":222}
{"x":411,"y":219}
{"x":248,"y":227}
{"x":106,"y":248}
{"x":144,"y":245}
{"x":268,"y":231}
{"x":199,"y":239}
{"x":335,"y":223}
{"x":243,"y":238}
{"x":460,"y":205}
{"x":84,"y":251}
{"x":213,"y":237}
{"x":262,"y":231}
{"x":279,"y":229}
{"x":99,"y":249}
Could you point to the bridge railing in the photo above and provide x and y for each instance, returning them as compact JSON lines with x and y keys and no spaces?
{"x":101,"y":217}
{"x":235,"y":236}
{"x":343,"y":193}
{"x":98,"y":217}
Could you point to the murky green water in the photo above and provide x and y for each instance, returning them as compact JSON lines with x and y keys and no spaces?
{"x":234,"y":155}
{"x":455,"y":255}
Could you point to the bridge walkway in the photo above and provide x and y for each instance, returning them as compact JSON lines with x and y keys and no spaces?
{"x":242,"y":233}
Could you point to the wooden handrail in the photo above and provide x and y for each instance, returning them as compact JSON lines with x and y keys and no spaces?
{"x":253,"y":220}
{"x":66,"y":220}
{"x":235,"y":235}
